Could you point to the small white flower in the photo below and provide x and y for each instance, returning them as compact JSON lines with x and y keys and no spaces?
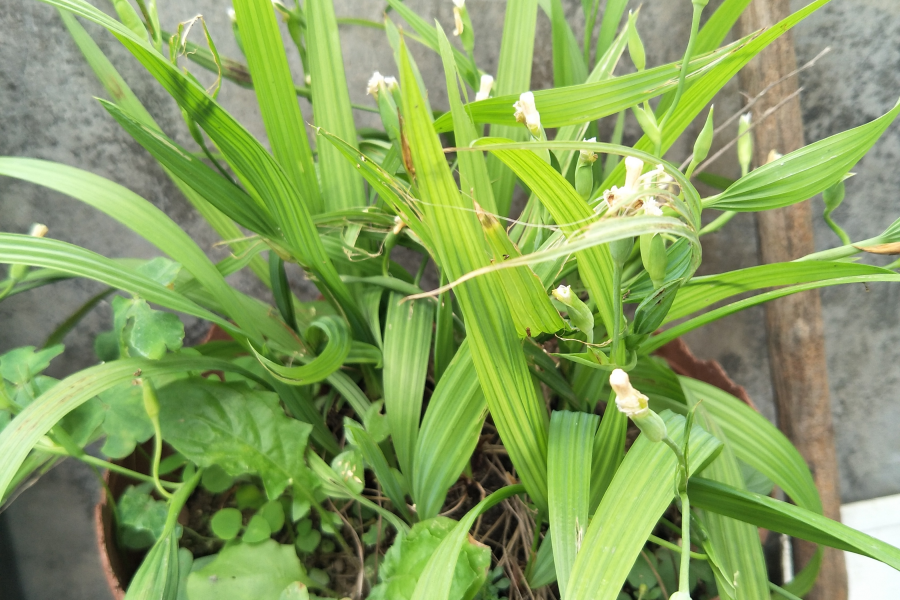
{"x":38,"y":230}
{"x":457,"y":19}
{"x":232,"y":15}
{"x":487,"y":82}
{"x":526,"y":112}
{"x":628,"y":400}
{"x":390,"y":83}
{"x":633,"y":168}
{"x":652,"y":208}
{"x":563,"y":293}
{"x":376,"y":81}
{"x":611,"y":195}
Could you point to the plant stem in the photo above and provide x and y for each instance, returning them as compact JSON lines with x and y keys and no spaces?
{"x":684,"y":576}
{"x":674,"y":547}
{"x":782,"y":592}
{"x":157,"y":455}
{"x":718,"y":223}
{"x":685,"y":64}
{"x":100,"y":463}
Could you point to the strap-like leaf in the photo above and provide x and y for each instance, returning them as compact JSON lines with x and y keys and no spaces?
{"x":569,"y":480}
{"x":319,"y":367}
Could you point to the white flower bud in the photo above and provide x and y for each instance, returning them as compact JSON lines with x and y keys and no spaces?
{"x":232,"y":15}
{"x":375,"y":82}
{"x":588,"y":156}
{"x":680,"y":596}
{"x":487,"y":82}
{"x":308,"y":79}
{"x":526,"y":112}
{"x":38,"y":230}
{"x":633,"y":168}
{"x":563,"y":293}
{"x":745,"y":142}
{"x":457,"y":18}
{"x":628,"y":400}
{"x":459,"y":3}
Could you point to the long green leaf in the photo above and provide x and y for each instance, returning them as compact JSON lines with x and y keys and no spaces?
{"x":782,"y":517}
{"x":803,"y":173}
{"x":590,"y":101}
{"x":375,"y":457}
{"x":449,"y":433}
{"x":278,"y":105}
{"x":608,"y":451}
{"x":519,"y":414}
{"x":719,"y":24}
{"x":342,"y":187}
{"x":319,"y":367}
{"x":513,"y":77}
{"x":637,"y":497}
{"x":29,"y":426}
{"x":569,"y":481}
{"x":568,"y":59}
{"x":137,"y":214}
{"x":612,"y":16}
{"x":407,"y":345}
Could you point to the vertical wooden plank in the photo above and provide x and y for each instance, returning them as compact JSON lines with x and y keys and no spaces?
{"x":794,"y":324}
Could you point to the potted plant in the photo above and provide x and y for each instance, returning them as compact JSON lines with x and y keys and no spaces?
{"x":509,"y":433}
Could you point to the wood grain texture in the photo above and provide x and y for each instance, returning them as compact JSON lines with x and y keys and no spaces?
{"x":794,"y":324}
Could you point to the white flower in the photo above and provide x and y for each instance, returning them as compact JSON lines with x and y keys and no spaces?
{"x":457,"y":19}
{"x":376,"y":81}
{"x":611,"y":195}
{"x":526,"y":112}
{"x":38,"y":230}
{"x":232,"y":15}
{"x":652,"y":208}
{"x":390,"y":83}
{"x":563,"y":293}
{"x":628,"y":400}
{"x":487,"y":82}
{"x":633,"y":168}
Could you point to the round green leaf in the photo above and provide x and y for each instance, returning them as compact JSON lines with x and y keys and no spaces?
{"x":273,"y":512}
{"x":216,"y":480}
{"x":258,"y":530}
{"x":226,"y":523}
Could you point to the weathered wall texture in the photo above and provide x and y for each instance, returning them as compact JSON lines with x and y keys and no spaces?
{"x":47,"y":111}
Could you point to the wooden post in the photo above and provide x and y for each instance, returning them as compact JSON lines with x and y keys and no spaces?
{"x":794,"y":323}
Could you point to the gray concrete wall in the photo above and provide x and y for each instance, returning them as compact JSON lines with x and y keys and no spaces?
{"x":47,"y":111}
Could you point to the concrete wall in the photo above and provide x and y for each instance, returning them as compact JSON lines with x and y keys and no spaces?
{"x":47,"y":111}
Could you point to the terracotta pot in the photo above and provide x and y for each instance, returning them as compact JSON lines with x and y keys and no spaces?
{"x":119,"y":565}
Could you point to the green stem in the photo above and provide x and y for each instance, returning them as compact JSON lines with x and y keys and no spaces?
{"x":157,"y":456}
{"x":684,"y":577}
{"x":685,"y":64}
{"x":97,"y":462}
{"x":674,"y":547}
{"x":178,"y":500}
{"x":718,"y":223}
{"x":617,"y":315}
{"x":782,"y":592}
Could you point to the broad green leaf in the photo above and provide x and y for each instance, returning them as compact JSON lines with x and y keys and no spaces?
{"x":407,"y":345}
{"x":608,"y":451}
{"x":318,"y":367}
{"x":803,"y":173}
{"x":153,"y":332}
{"x":590,"y":101}
{"x":569,"y":481}
{"x":342,"y":187}
{"x":449,"y":433}
{"x":406,"y":559}
{"x":437,"y":577}
{"x":782,"y":517}
{"x":705,"y":291}
{"x":125,"y":422}
{"x":262,"y":44}
{"x":519,"y":414}
{"x":21,"y":365}
{"x":247,"y":572}
{"x":140,"y":519}
{"x":513,"y":77}
{"x":29,"y":426}
{"x":241,"y":430}
{"x":640,"y":492}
